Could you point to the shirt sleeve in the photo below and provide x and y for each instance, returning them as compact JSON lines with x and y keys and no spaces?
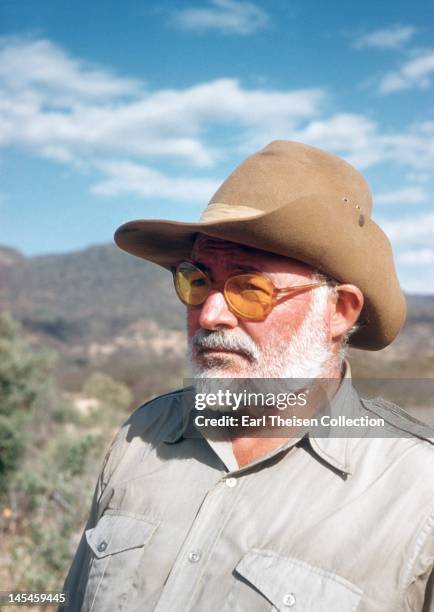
{"x":420,"y":592}
{"x":428,"y":604}
{"x":76,"y":580}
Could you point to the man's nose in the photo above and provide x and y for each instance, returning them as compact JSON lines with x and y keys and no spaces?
{"x":215,"y":313}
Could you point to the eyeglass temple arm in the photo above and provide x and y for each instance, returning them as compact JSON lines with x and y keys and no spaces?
{"x":300,"y":288}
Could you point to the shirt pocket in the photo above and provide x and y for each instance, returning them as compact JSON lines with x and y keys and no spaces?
{"x":290,"y":584}
{"x":117,"y":542}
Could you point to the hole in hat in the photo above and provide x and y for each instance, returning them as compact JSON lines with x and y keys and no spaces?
{"x":345,"y":200}
{"x":362,"y":220}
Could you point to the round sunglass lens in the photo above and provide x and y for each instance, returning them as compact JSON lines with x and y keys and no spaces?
{"x":191,"y":284}
{"x":250,"y":295}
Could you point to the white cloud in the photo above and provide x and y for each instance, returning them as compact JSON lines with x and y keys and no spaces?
{"x":418,"y":230}
{"x":85,"y":114}
{"x":42,"y":70}
{"x":412,"y":239}
{"x":406,"y":195}
{"x":349,"y":134}
{"x":392,"y":37}
{"x":125,"y":177}
{"x":360,"y":140}
{"x":82,"y":123}
{"x":417,"y":257}
{"x":227,"y":16}
{"x":413,"y":74}
{"x":419,"y":177}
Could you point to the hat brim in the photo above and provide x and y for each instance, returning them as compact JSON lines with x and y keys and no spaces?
{"x":331,"y":236}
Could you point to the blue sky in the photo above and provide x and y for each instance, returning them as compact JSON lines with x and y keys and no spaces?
{"x":113,"y":111}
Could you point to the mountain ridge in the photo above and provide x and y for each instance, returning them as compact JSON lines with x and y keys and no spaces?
{"x":96,"y":304}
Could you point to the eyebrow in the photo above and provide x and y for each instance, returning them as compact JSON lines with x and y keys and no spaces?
{"x":242,"y":267}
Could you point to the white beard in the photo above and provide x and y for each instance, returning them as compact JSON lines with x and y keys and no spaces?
{"x":307,"y":356}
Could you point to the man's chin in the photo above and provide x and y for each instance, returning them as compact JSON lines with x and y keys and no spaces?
{"x":218,"y":369}
{"x":224,"y":360}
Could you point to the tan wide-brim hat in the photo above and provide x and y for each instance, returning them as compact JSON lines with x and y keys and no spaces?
{"x":300,"y":202}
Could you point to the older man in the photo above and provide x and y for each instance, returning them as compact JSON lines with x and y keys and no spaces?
{"x":283,"y":269}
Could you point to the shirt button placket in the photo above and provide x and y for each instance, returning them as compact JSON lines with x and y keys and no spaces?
{"x":181,"y":585}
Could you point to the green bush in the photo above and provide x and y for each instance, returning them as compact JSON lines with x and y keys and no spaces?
{"x":109,"y":392}
{"x":73,"y":457}
{"x":23,"y":372}
{"x":11,"y":449}
{"x":49,"y":460}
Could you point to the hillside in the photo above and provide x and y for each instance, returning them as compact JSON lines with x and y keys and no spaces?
{"x":86,"y":295}
{"x":103,"y":309}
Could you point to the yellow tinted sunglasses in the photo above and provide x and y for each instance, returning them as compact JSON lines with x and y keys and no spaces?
{"x":249,"y":295}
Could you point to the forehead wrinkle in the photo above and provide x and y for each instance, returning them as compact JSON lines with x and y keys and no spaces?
{"x":207,"y":250}
{"x":234,"y":255}
{"x":207,"y":243}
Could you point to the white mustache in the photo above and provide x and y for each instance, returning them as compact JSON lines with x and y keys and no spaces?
{"x":226,"y":340}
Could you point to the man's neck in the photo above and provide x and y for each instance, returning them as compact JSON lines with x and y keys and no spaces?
{"x":248,"y":448}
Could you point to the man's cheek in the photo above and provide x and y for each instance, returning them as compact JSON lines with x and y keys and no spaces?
{"x":290,"y":318}
{"x":192,"y":321}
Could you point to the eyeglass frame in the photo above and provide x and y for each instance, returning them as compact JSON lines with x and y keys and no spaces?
{"x":222,"y":285}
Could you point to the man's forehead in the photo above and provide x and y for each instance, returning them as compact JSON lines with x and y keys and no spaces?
{"x":209,"y":246}
{"x":204,"y":243}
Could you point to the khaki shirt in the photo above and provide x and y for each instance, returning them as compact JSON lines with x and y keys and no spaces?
{"x":317,"y":525}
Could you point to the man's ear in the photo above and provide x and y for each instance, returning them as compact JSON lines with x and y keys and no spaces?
{"x":347,"y":306}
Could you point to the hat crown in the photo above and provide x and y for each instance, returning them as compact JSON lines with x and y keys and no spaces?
{"x":285,"y":171}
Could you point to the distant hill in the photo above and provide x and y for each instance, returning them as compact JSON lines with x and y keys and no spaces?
{"x":10,"y":257}
{"x":96,"y":304}
{"x":420,"y":308}
{"x":86,"y":295}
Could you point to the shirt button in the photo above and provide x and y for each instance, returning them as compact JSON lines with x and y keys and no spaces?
{"x":102,"y":546}
{"x":289,"y":600}
{"x":231,"y":482}
{"x":194,"y":556}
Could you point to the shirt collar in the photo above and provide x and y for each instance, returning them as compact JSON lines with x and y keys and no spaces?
{"x":181,"y":418}
{"x":336,"y":450}
{"x":333,"y":450}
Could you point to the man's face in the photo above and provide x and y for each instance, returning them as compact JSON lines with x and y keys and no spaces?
{"x":292,"y":342}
